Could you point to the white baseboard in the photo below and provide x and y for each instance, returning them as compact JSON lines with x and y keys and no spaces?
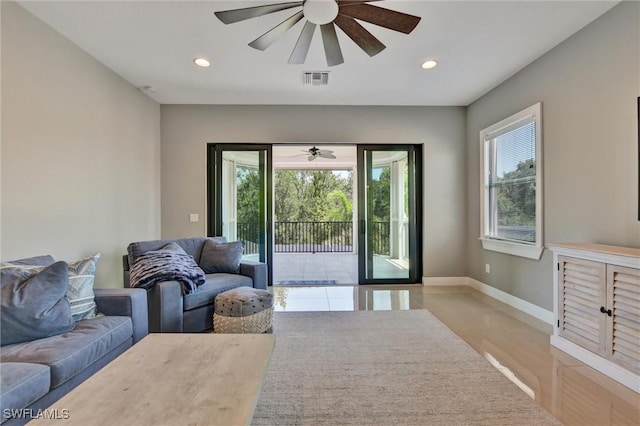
{"x":444,"y":281}
{"x":513,"y":301}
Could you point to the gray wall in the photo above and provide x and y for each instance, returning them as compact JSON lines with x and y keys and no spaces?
{"x":80,"y":152}
{"x":588,"y":87}
{"x":186,"y":129}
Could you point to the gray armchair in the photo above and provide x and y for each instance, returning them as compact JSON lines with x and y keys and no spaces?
{"x":172,"y":312}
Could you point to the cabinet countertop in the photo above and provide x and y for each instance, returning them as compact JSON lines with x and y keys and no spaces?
{"x":600,"y":248}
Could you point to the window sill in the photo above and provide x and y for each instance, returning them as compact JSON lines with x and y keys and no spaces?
{"x":514,"y":249}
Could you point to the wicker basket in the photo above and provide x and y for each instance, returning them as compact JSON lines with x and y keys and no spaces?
{"x":256,"y":323}
{"x":243,"y":310}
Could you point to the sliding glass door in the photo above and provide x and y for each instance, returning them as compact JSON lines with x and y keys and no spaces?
{"x":389,"y":206}
{"x":239,"y":197}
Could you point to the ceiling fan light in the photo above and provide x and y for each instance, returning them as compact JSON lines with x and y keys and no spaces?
{"x":201,"y":62}
{"x":429,"y":64}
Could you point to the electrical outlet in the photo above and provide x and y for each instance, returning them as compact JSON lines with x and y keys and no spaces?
{"x":194,"y":217}
{"x":487,"y":268}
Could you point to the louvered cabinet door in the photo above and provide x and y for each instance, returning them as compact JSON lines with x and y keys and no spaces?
{"x":582,"y":293}
{"x":623,"y":295}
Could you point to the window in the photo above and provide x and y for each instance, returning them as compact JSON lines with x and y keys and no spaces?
{"x":511,"y":172}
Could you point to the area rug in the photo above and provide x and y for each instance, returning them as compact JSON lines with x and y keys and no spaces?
{"x":308,"y":282}
{"x":384,"y":368}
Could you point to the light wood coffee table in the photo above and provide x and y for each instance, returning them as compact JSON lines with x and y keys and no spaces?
{"x":174,"y":379}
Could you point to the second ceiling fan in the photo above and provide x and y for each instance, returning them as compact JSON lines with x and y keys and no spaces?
{"x":315,"y":152}
{"x":327,"y":14}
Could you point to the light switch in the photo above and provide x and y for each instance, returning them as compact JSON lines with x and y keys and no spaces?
{"x":194,"y":217}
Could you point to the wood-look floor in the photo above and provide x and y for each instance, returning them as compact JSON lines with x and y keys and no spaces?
{"x":515,"y":343}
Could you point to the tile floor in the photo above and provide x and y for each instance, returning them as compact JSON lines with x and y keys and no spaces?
{"x":515,"y":343}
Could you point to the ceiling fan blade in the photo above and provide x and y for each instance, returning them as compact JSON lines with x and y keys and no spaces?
{"x":329,"y":156}
{"x":331,"y":45}
{"x":237,"y":15}
{"x":363,"y":38}
{"x":267,"y":39}
{"x":300,"y":50}
{"x":351,"y":2}
{"x":396,"y":21}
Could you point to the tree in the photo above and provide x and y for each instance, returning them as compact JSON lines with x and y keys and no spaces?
{"x":288,"y":195}
{"x":248,"y":194}
{"x":313,"y":195}
{"x":316,"y":197}
{"x":340,"y":207}
{"x":248,"y":203}
{"x":516,"y":195}
{"x":380,"y":196}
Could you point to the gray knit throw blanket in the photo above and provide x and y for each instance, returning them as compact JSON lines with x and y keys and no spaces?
{"x":163,"y":265}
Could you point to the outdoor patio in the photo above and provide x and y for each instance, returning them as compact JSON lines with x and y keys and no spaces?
{"x":341,"y":267}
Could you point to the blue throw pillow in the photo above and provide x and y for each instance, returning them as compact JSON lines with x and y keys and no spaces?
{"x":33,"y":302}
{"x":221,"y":257}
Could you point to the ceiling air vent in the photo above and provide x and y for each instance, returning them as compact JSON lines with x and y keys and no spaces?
{"x":315,"y":78}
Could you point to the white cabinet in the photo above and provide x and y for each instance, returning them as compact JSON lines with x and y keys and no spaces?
{"x":597,"y":308}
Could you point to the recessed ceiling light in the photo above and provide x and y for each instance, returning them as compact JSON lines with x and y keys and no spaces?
{"x":429,"y":64}
{"x":201,"y":62}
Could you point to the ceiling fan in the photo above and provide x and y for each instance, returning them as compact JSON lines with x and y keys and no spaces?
{"x":327,"y":14}
{"x":316,"y":152}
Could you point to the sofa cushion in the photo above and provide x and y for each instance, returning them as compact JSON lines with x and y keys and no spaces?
{"x":80,"y":290}
{"x":21,"y":384}
{"x":215,"y":284}
{"x":69,"y":353}
{"x":221,"y":257}
{"x":33,"y":302}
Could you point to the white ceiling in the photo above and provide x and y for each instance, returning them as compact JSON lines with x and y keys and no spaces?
{"x":478,"y":44}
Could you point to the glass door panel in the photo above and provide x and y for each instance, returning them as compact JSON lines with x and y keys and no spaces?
{"x":388,"y":231}
{"x":240,"y":204}
{"x":243,"y":201}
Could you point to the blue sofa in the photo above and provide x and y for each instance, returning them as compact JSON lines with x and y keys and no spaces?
{"x":172,"y":311}
{"x":36,"y":373}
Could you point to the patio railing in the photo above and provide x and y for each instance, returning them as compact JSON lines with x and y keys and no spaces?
{"x":380,"y":238}
{"x":314,"y":237}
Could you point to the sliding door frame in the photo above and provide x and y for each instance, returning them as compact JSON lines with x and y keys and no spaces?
{"x":415,"y":211}
{"x":415,"y":162}
{"x":214,"y":194}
